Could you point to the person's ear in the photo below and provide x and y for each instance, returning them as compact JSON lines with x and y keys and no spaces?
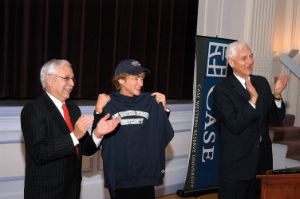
{"x":121,"y":81}
{"x":231,"y":63}
{"x":47,"y":79}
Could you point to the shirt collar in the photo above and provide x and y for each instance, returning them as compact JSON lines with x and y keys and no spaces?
{"x":241,"y":80}
{"x":57,"y":103}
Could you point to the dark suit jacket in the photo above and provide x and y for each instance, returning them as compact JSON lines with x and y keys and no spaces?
{"x":242,"y":127}
{"x":52,"y":168}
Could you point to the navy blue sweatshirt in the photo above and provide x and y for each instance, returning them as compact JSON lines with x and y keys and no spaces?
{"x":134,"y":154}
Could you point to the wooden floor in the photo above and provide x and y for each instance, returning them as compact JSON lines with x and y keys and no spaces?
{"x":174,"y":196}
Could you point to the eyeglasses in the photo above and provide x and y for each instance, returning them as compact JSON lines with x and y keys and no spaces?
{"x":65,"y":78}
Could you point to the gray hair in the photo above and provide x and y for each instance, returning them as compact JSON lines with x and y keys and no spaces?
{"x":49,"y":68}
{"x":232,"y":49}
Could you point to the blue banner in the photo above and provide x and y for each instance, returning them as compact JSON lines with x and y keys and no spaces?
{"x":211,"y":68}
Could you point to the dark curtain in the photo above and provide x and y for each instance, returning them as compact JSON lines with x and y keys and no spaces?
{"x":94,"y":35}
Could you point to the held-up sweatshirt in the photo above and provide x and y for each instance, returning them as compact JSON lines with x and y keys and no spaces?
{"x":134,"y":154}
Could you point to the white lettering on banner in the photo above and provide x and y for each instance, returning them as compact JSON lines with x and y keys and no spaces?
{"x":132,"y":113}
{"x":208,"y":136}
{"x":208,"y":153}
{"x":193,"y":170}
{"x":194,"y":147}
{"x":216,"y":61}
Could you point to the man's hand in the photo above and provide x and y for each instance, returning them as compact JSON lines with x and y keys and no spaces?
{"x":106,"y":126}
{"x":82,"y":125}
{"x":102,"y":100}
{"x":280,"y":84}
{"x":251,"y":90}
{"x":160,"y":98}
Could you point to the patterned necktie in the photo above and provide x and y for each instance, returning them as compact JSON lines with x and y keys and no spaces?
{"x":68,"y":121}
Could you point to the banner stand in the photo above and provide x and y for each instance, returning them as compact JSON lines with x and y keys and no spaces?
{"x":196,"y":192}
{"x":210,"y":68}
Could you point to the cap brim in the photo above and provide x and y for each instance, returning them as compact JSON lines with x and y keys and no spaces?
{"x":138,"y":70}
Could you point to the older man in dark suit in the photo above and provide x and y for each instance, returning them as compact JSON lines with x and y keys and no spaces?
{"x":56,"y":136}
{"x":244,"y":106}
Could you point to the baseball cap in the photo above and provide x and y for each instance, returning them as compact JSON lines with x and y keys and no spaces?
{"x":131,"y":67}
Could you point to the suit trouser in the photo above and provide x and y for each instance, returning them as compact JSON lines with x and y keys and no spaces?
{"x":244,"y":189}
{"x":238,"y":190}
{"x":71,"y":191}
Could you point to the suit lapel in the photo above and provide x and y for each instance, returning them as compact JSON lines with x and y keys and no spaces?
{"x":238,"y":88}
{"x":56,"y":115}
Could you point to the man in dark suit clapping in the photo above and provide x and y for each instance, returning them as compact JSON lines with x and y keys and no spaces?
{"x":244,"y":106}
{"x":56,"y":138}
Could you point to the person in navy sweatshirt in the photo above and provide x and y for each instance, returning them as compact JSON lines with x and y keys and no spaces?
{"x":134,"y":154}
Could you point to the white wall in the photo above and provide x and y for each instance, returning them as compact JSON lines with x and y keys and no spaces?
{"x":222,"y":18}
